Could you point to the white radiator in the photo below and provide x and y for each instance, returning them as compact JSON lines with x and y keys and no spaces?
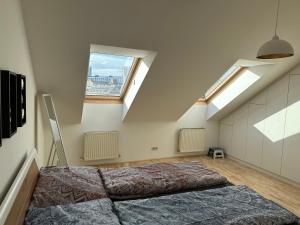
{"x":101,"y":145}
{"x":191,"y":140}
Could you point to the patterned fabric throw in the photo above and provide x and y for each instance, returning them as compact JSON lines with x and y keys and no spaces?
{"x":159,"y":178}
{"x":233,"y":205}
{"x":59,"y":185}
{"x":98,"y":212}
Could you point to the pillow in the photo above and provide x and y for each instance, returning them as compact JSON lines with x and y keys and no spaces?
{"x":61,"y":185}
{"x":158,"y":178}
{"x":98,"y":212}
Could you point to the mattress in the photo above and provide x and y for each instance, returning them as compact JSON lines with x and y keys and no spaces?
{"x":98,"y":212}
{"x":159,"y":178}
{"x":60,"y":185}
{"x":233,"y":205}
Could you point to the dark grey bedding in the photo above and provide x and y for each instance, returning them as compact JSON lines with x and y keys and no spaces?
{"x":59,"y":185}
{"x":98,"y":212}
{"x":158,"y":178}
{"x":233,"y":205}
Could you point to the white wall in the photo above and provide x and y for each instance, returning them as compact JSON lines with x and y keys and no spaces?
{"x":14,"y":56}
{"x":138,"y":78}
{"x":60,"y":33}
{"x":265,"y":131}
{"x":136,"y":138}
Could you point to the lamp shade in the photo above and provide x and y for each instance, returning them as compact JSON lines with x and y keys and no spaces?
{"x":275,"y":48}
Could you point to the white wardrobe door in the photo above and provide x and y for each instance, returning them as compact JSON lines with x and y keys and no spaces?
{"x":274,"y":125}
{"x":226,"y":138}
{"x":291,"y":150}
{"x":239,"y":132}
{"x":255,"y":130}
{"x":259,"y":99}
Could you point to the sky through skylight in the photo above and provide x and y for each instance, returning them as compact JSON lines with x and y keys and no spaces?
{"x":107,"y":74}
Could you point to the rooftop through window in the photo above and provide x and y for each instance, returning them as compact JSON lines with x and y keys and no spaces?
{"x":108,"y":74}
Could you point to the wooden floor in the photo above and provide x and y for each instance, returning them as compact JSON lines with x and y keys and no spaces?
{"x":274,"y":189}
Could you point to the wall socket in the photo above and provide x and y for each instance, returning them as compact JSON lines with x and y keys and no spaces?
{"x":154,"y":148}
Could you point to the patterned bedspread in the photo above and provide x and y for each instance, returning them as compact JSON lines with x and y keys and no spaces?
{"x":59,"y":185}
{"x":233,"y":205}
{"x":159,"y":178}
{"x":98,"y":212}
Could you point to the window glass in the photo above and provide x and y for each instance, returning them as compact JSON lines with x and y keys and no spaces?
{"x":107,"y":74}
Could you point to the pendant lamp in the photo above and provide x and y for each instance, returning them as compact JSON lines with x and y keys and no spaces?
{"x":275,"y":48}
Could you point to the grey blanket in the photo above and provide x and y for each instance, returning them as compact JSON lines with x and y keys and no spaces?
{"x":233,"y":205}
{"x":158,"y":178}
{"x":60,"y":185}
{"x":98,"y":212}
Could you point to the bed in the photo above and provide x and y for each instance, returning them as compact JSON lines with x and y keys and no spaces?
{"x":98,"y":212}
{"x":183,"y":193}
{"x":232,"y":205}
{"x":159,"y":178}
{"x":60,"y":185}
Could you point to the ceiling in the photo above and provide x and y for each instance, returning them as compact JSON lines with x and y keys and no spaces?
{"x":196,"y":42}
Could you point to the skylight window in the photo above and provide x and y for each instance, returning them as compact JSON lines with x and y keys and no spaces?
{"x":230,"y":85}
{"x":227,"y":76}
{"x":108,"y":74}
{"x":237,"y":86}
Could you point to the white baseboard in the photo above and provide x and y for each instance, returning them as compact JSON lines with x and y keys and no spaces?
{"x":15,"y":187}
{"x":82,"y":162}
{"x":276,"y":176}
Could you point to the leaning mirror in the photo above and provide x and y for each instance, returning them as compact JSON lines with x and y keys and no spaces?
{"x":57,"y":154}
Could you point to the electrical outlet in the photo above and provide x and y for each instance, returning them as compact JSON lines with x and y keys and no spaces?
{"x":154,"y":148}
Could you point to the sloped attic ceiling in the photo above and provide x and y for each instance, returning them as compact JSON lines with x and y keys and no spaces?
{"x":196,"y":42}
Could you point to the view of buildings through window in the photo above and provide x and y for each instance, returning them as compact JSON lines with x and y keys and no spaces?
{"x":107,"y":74}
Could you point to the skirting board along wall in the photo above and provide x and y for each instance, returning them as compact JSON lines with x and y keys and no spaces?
{"x":136,"y":138}
{"x":276,"y":176}
{"x":265,"y":131}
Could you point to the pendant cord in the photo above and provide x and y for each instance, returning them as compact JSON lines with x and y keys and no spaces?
{"x":277,"y":15}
